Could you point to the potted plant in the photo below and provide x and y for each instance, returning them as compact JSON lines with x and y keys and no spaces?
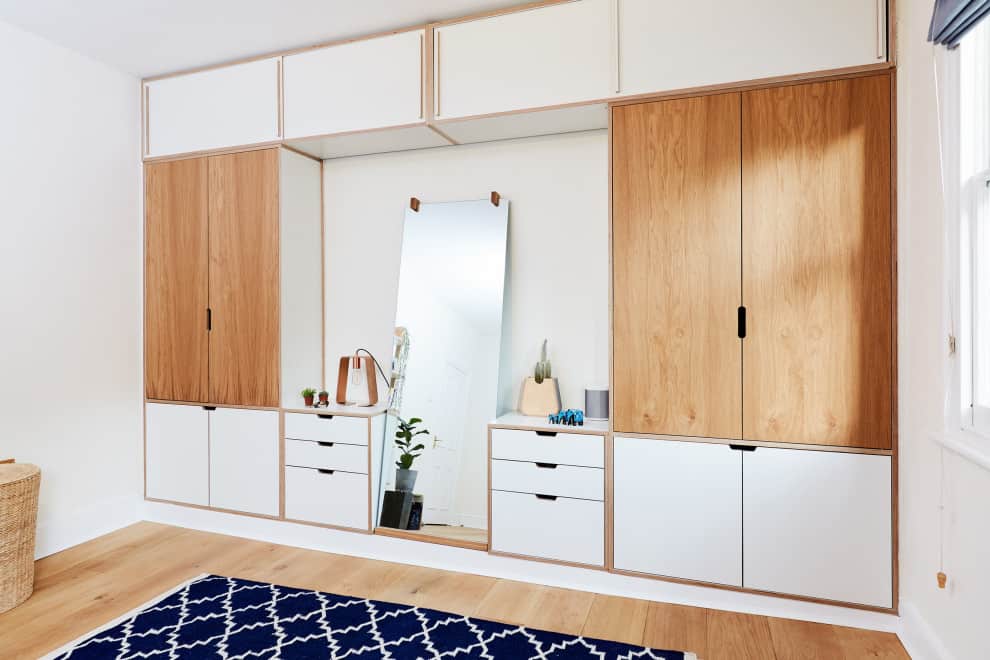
{"x":324,"y":397}
{"x":405,"y":477}
{"x":307,"y":395}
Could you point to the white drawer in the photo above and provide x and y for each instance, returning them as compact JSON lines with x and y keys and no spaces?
{"x":564,"y":529}
{"x":549,"y":479}
{"x":561,"y":448}
{"x":326,"y":427}
{"x":327,"y":497}
{"x":327,"y":455}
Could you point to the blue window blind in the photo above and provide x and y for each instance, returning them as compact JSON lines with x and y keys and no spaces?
{"x":952,"y":19}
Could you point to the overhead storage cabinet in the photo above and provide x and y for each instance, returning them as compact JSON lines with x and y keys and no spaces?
{"x":230,"y":106}
{"x":665,"y":46}
{"x":547,"y":56}
{"x":359,"y":85}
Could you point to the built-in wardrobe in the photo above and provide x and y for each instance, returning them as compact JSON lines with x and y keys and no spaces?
{"x":233,"y":321}
{"x":753,"y":340}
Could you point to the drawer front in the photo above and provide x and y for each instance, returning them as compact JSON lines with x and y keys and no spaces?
{"x":549,"y":479}
{"x":562,"y":448}
{"x":327,"y":455}
{"x":336,"y":498}
{"x":564,"y":529}
{"x":327,"y":428}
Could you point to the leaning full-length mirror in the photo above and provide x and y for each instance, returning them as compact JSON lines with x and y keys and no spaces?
{"x":448,"y":332}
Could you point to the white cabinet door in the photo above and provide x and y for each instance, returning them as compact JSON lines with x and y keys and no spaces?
{"x":244,"y":460}
{"x":227,"y":107}
{"x":677,"y":511}
{"x":678,"y":45}
{"x":364,"y":84}
{"x":818,"y":524}
{"x":529,"y":59}
{"x":177,"y":448}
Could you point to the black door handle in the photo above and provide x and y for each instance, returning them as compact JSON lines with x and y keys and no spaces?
{"x":547,"y":434}
{"x":741,"y":327}
{"x":742,"y":447}
{"x":325,"y":416}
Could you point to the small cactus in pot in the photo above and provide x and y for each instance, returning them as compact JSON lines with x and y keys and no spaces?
{"x":542,"y":371}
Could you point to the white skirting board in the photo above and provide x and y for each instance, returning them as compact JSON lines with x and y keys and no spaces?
{"x":917,"y":636}
{"x":85,"y":523}
{"x":480,"y":563}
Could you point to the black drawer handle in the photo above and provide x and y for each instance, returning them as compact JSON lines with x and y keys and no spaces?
{"x":742,"y":447}
{"x":552,"y":498}
{"x":209,"y":408}
{"x":547,"y":434}
{"x":324,"y":444}
{"x":548,"y":466}
{"x":324,"y":416}
{"x":322,"y":471}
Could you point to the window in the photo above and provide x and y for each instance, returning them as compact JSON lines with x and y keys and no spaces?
{"x":974,"y":228}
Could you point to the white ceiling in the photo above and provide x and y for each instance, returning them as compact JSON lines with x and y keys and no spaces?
{"x":149,"y":37}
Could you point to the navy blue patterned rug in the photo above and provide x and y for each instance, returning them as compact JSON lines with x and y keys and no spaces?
{"x":219,"y":617}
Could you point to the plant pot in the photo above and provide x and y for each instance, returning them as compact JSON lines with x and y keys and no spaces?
{"x":324,"y":398}
{"x":405,"y":479}
{"x":308,"y":400}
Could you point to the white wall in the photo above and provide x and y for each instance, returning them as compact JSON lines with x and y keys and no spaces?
{"x":557,"y":187}
{"x":950,"y":622}
{"x":70,"y":285}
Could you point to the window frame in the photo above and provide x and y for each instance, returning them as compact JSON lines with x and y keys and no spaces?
{"x":961,"y":199}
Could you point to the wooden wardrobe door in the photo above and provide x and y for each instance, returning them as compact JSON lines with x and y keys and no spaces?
{"x":244,"y":278}
{"x":176,"y":342}
{"x":817,"y":276}
{"x":676,"y":261}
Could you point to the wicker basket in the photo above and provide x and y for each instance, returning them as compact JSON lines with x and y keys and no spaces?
{"x":19,"y":483}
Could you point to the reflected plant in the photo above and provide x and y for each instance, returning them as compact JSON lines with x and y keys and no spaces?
{"x":404,"y":438}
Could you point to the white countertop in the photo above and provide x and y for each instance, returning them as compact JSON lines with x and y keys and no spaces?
{"x":514,"y":420}
{"x":344,"y":410}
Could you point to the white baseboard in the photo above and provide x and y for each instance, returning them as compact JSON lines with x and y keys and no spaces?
{"x":917,"y":636}
{"x":66,"y":529}
{"x":481,"y":563}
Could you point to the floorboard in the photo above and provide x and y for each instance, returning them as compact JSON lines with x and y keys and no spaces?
{"x":86,"y":586}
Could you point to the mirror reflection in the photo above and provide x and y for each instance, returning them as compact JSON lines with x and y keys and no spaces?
{"x":448,"y":336}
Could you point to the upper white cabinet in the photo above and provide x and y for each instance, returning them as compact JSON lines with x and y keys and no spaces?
{"x":226,"y":107}
{"x":371,"y":83}
{"x":818,"y":524}
{"x":244,"y":460}
{"x":536,"y":58}
{"x":678,"y":45}
{"x":177,"y":452}
{"x":677,"y":509}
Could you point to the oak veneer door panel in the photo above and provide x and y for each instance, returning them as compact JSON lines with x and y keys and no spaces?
{"x":176,"y":342}
{"x":817,"y":263}
{"x":676,"y":267}
{"x":244,"y":278}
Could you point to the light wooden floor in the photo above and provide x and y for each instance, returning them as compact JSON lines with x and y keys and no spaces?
{"x":81,"y":588}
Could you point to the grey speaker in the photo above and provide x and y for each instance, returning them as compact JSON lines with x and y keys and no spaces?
{"x":596,"y":403}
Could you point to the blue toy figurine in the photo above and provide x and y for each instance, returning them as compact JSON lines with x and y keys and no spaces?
{"x":569,"y":417}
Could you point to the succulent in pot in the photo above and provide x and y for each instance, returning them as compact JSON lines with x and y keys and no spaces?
{"x":307,"y":395}
{"x":324,"y":397}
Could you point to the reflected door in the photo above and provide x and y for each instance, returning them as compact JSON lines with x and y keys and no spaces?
{"x":442,"y":454}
